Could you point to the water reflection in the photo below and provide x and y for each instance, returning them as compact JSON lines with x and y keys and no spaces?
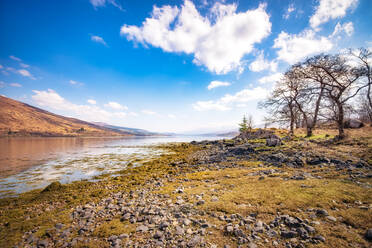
{"x":29,"y":163}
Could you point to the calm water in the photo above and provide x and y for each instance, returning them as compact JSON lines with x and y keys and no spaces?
{"x":31,"y":163}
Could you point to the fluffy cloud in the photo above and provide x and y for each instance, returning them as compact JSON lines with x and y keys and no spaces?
{"x":215,"y":84}
{"x":26,"y":73}
{"x":98,"y":39}
{"x":229,"y":101}
{"x":148,"y":112}
{"x":218,"y":41}
{"x":288,"y":12}
{"x":91,"y":101}
{"x":261,"y":64}
{"x":330,"y":9}
{"x":271,"y":78}
{"x":16,"y":85}
{"x":53,"y":100}
{"x":294,"y":47}
{"x":348,"y":28}
{"x":101,"y":3}
{"x":115,"y":105}
{"x":15,"y":58}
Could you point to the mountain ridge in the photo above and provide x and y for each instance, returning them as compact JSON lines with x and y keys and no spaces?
{"x":21,"y":119}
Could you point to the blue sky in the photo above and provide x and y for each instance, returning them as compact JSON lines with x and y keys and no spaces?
{"x":168,"y":66}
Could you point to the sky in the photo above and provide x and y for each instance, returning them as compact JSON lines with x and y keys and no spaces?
{"x":166,"y":66}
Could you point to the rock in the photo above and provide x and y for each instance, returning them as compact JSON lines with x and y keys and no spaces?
{"x":186,"y":222}
{"x":196,"y":240}
{"x":179,"y":231}
{"x":320,"y":238}
{"x":251,"y":245}
{"x":273,"y":141}
{"x":322,"y":212}
{"x":142,"y":228}
{"x":201,"y":202}
{"x":229,"y":229}
{"x":368,"y":234}
{"x":331,"y":218}
{"x":308,"y":228}
{"x":288,"y":234}
{"x":42,"y":243}
{"x":214,"y":198}
{"x":158,"y":235}
{"x":353,"y":123}
{"x":59,"y":226}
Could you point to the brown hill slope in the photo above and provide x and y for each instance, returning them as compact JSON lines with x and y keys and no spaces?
{"x":20,"y":119}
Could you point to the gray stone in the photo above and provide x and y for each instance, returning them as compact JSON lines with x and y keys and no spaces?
{"x":331,"y":218}
{"x":368,"y":234}
{"x":320,"y":238}
{"x":322,"y":212}
{"x":288,"y":234}
{"x":142,"y":228}
{"x":196,"y":240}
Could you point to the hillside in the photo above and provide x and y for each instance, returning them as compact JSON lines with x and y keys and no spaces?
{"x":20,"y":119}
{"x":133,"y":131}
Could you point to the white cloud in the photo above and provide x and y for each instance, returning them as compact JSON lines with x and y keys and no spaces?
{"x":98,"y":39}
{"x":91,"y":101}
{"x":271,"y":78}
{"x":133,"y":114}
{"x":229,"y":101}
{"x":73,"y":82}
{"x":218,"y":41}
{"x":210,"y":105}
{"x":215,"y":84}
{"x":24,"y":65}
{"x":288,"y":12}
{"x":15,"y":58}
{"x":348,"y":28}
{"x":1,"y":67}
{"x":148,"y":112}
{"x":330,"y":9}
{"x":53,"y":100}
{"x":294,"y":47}
{"x":15,"y":85}
{"x":2,"y":84}
{"x":115,"y":105}
{"x":172,"y":116}
{"x":101,"y":3}
{"x":261,"y":64}
{"x":26,"y":73}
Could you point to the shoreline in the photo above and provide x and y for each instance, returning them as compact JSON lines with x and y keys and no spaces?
{"x":210,"y":194}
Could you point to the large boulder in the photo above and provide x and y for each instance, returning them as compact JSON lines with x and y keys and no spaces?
{"x":273,"y":141}
{"x":255,"y":134}
{"x":353,"y":123}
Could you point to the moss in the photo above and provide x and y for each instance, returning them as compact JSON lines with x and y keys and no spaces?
{"x":114,"y":227}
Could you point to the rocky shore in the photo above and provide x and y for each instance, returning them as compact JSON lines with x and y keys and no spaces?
{"x":244,"y":192}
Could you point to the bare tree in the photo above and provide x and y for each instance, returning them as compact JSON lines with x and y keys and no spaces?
{"x":363,"y":58}
{"x":341,"y":82}
{"x":307,"y":87}
{"x":281,"y":105}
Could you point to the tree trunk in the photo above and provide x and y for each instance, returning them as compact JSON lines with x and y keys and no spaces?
{"x":340,"y":121}
{"x":291,"y":132}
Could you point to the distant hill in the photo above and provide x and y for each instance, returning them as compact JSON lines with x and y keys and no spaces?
{"x":222,"y":134}
{"x":20,"y":119}
{"x":133,"y":131}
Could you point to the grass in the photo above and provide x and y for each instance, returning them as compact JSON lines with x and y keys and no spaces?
{"x":238,"y":191}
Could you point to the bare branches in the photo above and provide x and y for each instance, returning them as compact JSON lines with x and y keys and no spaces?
{"x":321,"y":85}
